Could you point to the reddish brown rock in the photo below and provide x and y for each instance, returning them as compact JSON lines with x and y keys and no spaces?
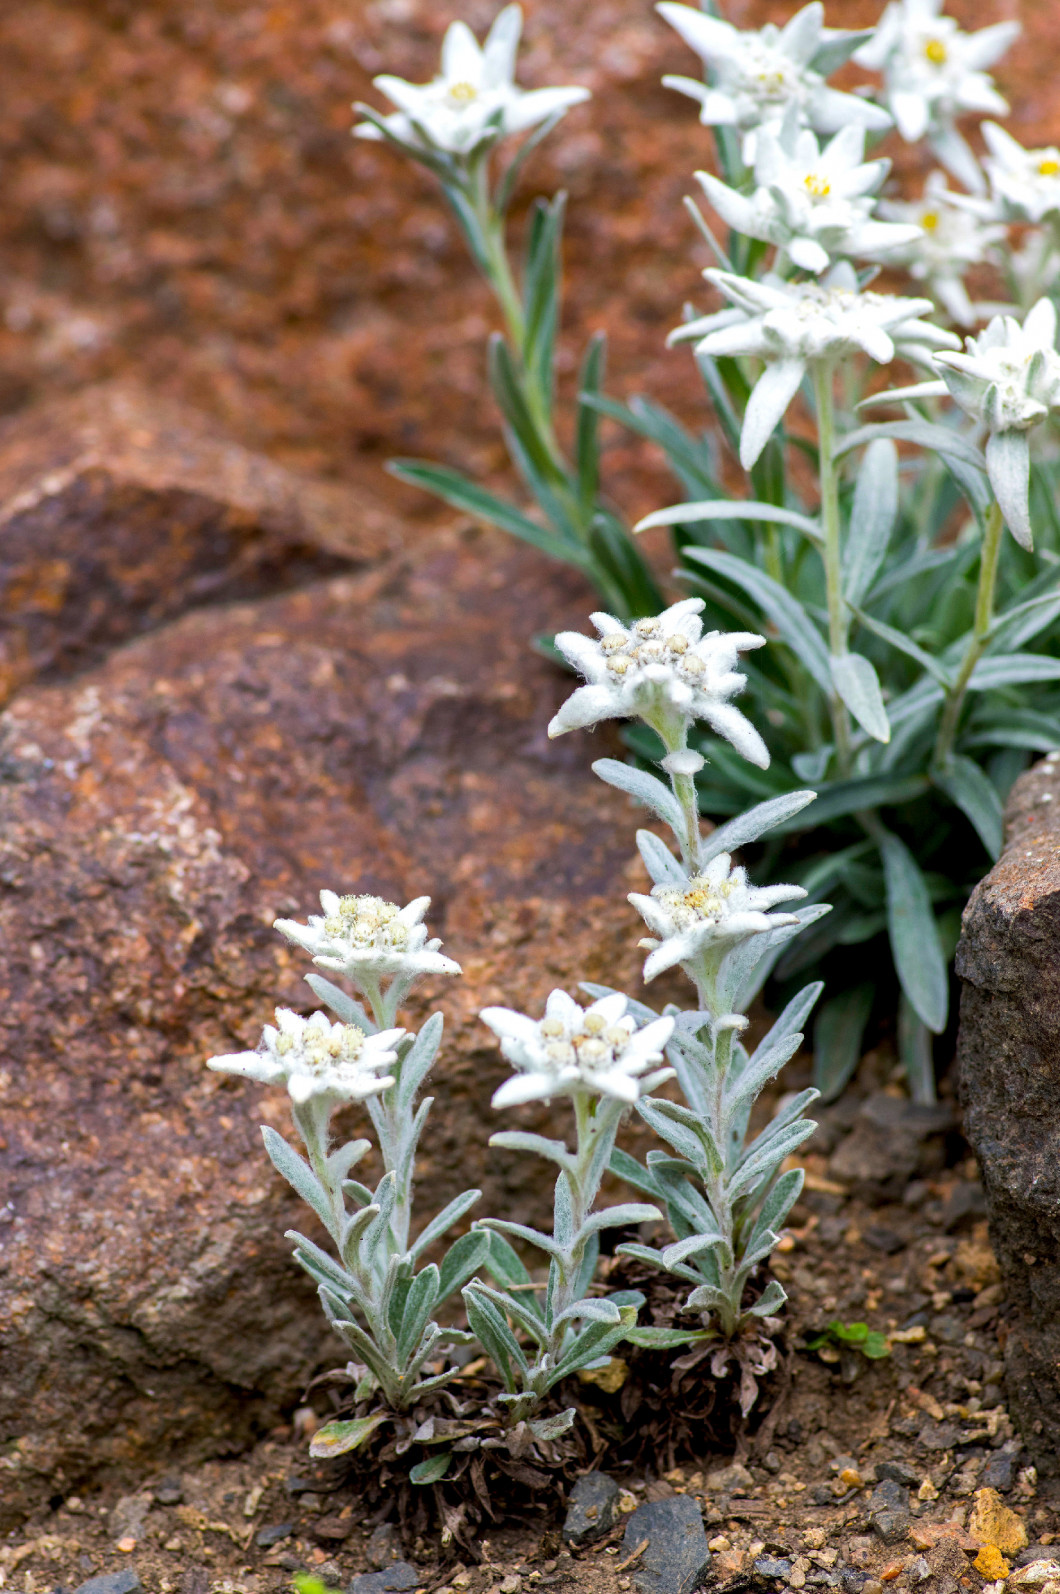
{"x":119,"y":511}
{"x":1009,"y":1057}
{"x":385,"y":733}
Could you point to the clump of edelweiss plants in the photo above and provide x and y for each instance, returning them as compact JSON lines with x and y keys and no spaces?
{"x":534,"y":1303}
{"x":916,"y":660}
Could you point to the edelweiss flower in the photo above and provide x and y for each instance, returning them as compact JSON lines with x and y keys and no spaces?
{"x":1009,"y":378}
{"x":597,"y":1049}
{"x":659,"y":670}
{"x":812,"y":203}
{"x":952,"y":234}
{"x":474,"y":100}
{"x":933,"y":73}
{"x":794,"y":325}
{"x":758,"y":76}
{"x":716,"y":907}
{"x":1025,"y":183}
{"x":316,"y":1059}
{"x":367,"y":936}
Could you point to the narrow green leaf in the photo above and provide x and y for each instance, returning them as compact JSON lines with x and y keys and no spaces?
{"x":916,"y":1053}
{"x":587,"y":442}
{"x":975,"y":794}
{"x":906,"y":645}
{"x":837,"y":1039}
{"x":936,"y":439}
{"x":337,"y":1438}
{"x":1013,"y":669}
{"x":914,"y":935}
{"x":858,"y":686}
{"x":474,"y":500}
{"x":431,"y":1470}
{"x":872,"y":517}
{"x":731,"y":509}
{"x":786,"y":612}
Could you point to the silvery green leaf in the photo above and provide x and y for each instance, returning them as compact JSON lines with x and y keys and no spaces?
{"x":346,"y":1157}
{"x":651,"y":1258}
{"x":792,"y":1019}
{"x":341,"y":1003}
{"x":595,"y":1342}
{"x":563,"y":1226}
{"x":681,"y":1250}
{"x":758,"y":1072}
{"x":813,"y":766}
{"x":974,"y":793}
{"x":914,"y":934}
{"x":769,"y":1302}
{"x":730,"y":509}
{"x":869,"y":791}
{"x":1008,"y":464}
{"x":872,"y":517}
{"x":587,"y":1271}
{"x":522,"y":1307}
{"x":706,"y":1299}
{"x":777,"y":1204}
{"x":644,"y":788}
{"x":419,"y":1304}
{"x":629,"y":1169}
{"x":906,"y":645}
{"x":417,"y":1063}
{"x":1013,"y":669}
{"x":522,"y":1231}
{"x":545,"y":1429}
{"x":386,"y":1196}
{"x":768,"y":1153}
{"x":463,"y":1259}
{"x":858,"y":685}
{"x":680,"y":1129}
{"x":490,"y":1328}
{"x":589,"y":1310}
{"x":520,"y":1140}
{"x":837,"y":1039}
{"x":504,"y":1262}
{"x":757,"y":821}
{"x":431,"y":1470}
{"x":318,"y":1264}
{"x":649,"y":1338}
{"x":618,"y":1217}
{"x":338,"y":1438}
{"x":353,"y":1190}
{"x":353,"y":1230}
{"x":299,"y":1176}
{"x":936,"y":439}
{"x":786,"y":612}
{"x":747,"y":969}
{"x":450,"y":1214}
{"x":664,"y":868}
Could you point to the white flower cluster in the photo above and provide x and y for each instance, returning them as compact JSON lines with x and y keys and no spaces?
{"x":713,"y":909}
{"x":366,"y":937}
{"x":661,"y":669}
{"x":949,"y":237}
{"x":316,"y":1059}
{"x":474,"y":101}
{"x":596,"y":1050}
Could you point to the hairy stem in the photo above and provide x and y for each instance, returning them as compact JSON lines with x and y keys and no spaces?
{"x":984,"y":615}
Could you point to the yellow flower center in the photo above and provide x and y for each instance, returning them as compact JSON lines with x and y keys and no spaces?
{"x":1049,"y":167}
{"x":935,"y":51}
{"x":929,"y":220}
{"x":816,"y":186}
{"x":465,"y":92}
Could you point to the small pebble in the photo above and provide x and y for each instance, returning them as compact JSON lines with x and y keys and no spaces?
{"x":169,"y":1492}
{"x":273,"y":1533}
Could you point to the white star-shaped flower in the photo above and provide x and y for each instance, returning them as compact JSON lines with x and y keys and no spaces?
{"x":715,"y":907}
{"x":934,"y":73}
{"x":759,"y":76}
{"x":366,"y":936}
{"x":573,"y":1049}
{"x":316,"y":1059}
{"x":792,"y":325}
{"x":659,"y":669}
{"x":951,"y":234}
{"x":1009,"y":379}
{"x":815,"y":204}
{"x":1024,"y":183}
{"x":475,"y":100}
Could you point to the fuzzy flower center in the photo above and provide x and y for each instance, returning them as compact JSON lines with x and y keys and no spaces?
{"x":463,"y":93}
{"x":368,"y":922}
{"x":936,"y":52}
{"x":1049,"y":167}
{"x":645,"y":644}
{"x":817,"y":185}
{"x":319,"y":1049}
{"x":588,"y":1042}
{"x":702,"y":901}
{"x":929,"y":220}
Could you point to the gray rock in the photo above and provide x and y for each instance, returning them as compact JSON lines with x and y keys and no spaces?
{"x":772,"y":1567}
{"x":891,"y":1526}
{"x":273,"y":1533}
{"x":889,"y":1495}
{"x":127,"y":1517}
{"x":898,"y":1472}
{"x":677,"y":1557}
{"x":384,"y":1545}
{"x":999,"y":1472}
{"x":890,"y":1142}
{"x":169,"y":1491}
{"x":591,"y":1508}
{"x":852,"y":1579}
{"x":888,"y":1510}
{"x":1009,"y":1083}
{"x":127,"y":1581}
{"x":398,"y":1578}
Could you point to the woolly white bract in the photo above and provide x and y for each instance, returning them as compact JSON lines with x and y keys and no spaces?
{"x":1024,"y":183}
{"x":597,"y":1049}
{"x":660,"y":669}
{"x":475,"y":100}
{"x":758,"y":77}
{"x":815,"y":204}
{"x":950,"y":236}
{"x":711,"y":909}
{"x":365,"y":936}
{"x":316,"y":1058}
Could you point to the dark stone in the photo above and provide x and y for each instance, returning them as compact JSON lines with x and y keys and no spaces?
{"x":891,"y":1526}
{"x":891,"y":1141}
{"x":331,"y":1530}
{"x":677,"y":1557}
{"x":397,"y":1578}
{"x":822,"y":1494}
{"x":888,"y":1510}
{"x":1034,"y":1552}
{"x":772,"y":1567}
{"x":590,"y":1508}
{"x":898,"y":1472}
{"x":999,"y":1472}
{"x":169,"y":1492}
{"x":1009,"y":1082}
{"x":890,"y":1494}
{"x":127,"y":1581}
{"x":273,"y":1533}
{"x":938,"y":1436}
{"x":881,"y":1239}
{"x":195,"y":1580}
{"x":852,"y":1579}
{"x":950,"y":1330}
{"x":384,"y":1545}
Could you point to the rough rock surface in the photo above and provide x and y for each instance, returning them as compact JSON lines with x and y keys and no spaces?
{"x":1009,"y":1057}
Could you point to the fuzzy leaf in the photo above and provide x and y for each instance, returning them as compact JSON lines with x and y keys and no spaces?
{"x":337,"y":1438}
{"x":462,"y":1260}
{"x":757,"y":821}
{"x":450,"y":1214}
{"x":299,"y":1176}
{"x":786,"y":612}
{"x":644,"y":788}
{"x":664,"y":868}
{"x":975,"y":794}
{"x":431,"y":1470}
{"x":837,"y":1039}
{"x":914,"y":934}
{"x":858,"y":685}
{"x":872,"y":517}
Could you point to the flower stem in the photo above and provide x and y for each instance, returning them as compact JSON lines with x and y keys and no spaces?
{"x":833,"y":574}
{"x":984,"y":615}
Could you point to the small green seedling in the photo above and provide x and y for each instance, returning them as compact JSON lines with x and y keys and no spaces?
{"x":838,"y":1337}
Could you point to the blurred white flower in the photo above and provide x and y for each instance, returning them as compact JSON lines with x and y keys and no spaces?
{"x":659,"y":669}
{"x":813,"y":203}
{"x":363,"y":936}
{"x":758,"y":75}
{"x":597,"y":1049}
{"x":316,"y":1059}
{"x":474,"y":100}
{"x":793,"y":325}
{"x":1009,"y":379}
{"x":934,"y":73}
{"x":952,"y":233}
{"x":714,"y":908}
{"x":1024,"y":183}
